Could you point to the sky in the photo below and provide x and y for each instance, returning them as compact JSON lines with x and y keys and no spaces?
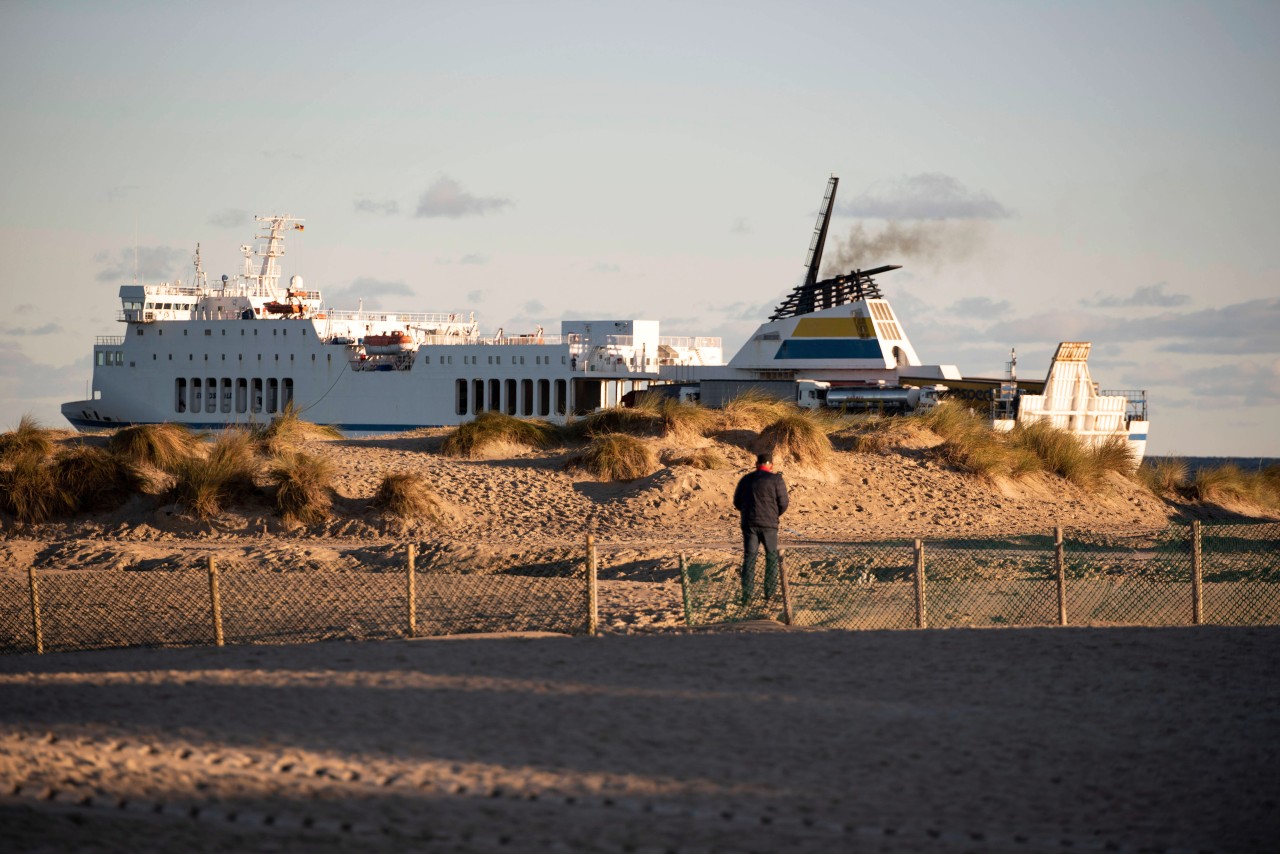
{"x":1043,"y":172}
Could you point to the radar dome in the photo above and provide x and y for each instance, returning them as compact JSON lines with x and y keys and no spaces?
{"x":295,"y":283}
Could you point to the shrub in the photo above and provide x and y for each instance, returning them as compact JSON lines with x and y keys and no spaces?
{"x":166,"y":446}
{"x":1060,"y":452}
{"x":617,"y":456}
{"x":1225,"y":483}
{"x":1164,"y":476}
{"x":1114,"y":454}
{"x":489,"y":429}
{"x":29,"y":438}
{"x":303,"y":484}
{"x":753,"y":410}
{"x":798,"y":437}
{"x":95,"y":479}
{"x":207,"y":484}
{"x":685,"y":420}
{"x":287,"y":429}
{"x":408,"y":497}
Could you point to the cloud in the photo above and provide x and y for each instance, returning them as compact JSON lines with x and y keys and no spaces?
{"x":740,"y":226}
{"x":1152,"y":296}
{"x":25,"y":308}
{"x":474,"y":259}
{"x":230,"y":218}
{"x":387,"y":208}
{"x":446,"y":198}
{"x":120,"y":191}
{"x":533,"y":307}
{"x":154,"y":263}
{"x":929,"y":195}
{"x":370,"y":290}
{"x":602,"y":267}
{"x":47,"y":329}
{"x":475,"y":296}
{"x":1253,"y":383}
{"x":979,"y":307}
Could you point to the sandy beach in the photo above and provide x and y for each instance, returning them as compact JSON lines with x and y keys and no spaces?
{"x":752,"y":740}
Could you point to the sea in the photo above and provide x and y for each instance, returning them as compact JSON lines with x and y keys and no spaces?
{"x":1194,"y":464}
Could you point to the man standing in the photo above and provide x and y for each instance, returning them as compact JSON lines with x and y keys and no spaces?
{"x":761,"y":497}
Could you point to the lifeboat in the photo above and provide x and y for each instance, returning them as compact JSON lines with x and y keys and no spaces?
{"x":389,"y":344}
{"x":286,"y":308}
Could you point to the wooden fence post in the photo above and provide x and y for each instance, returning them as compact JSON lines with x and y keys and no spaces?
{"x":593,"y":610}
{"x":1059,"y":563}
{"x":1197,"y":576}
{"x":787,"y":615}
{"x":684,"y":590}
{"x":411,"y":594}
{"x":35,"y":610}
{"x":215,"y":602}
{"x":922,"y":620}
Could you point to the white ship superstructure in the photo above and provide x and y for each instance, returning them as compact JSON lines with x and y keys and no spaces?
{"x":241,"y":351}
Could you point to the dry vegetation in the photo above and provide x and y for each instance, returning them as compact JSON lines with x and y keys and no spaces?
{"x":798,"y":437}
{"x":205,"y":485}
{"x":707,"y":459}
{"x":304,"y":487}
{"x":617,"y":456}
{"x":165,"y":446}
{"x":408,"y":497}
{"x":287,"y":430}
{"x":496,"y":430}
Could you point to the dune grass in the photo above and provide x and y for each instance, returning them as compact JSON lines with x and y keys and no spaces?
{"x":618,"y":456}
{"x":29,"y":438}
{"x":490,"y":429}
{"x":408,"y":497}
{"x":166,"y":446}
{"x":798,"y":437}
{"x":304,"y":487}
{"x":207,"y":484}
{"x":874,"y":434}
{"x":1231,"y":484}
{"x":287,"y":429}
{"x":30,"y":490}
{"x":707,"y":459}
{"x":1166,"y":477}
{"x":96,"y":479}
{"x":754,"y":410}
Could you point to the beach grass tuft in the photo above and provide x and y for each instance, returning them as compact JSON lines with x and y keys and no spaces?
{"x":29,"y":438}
{"x":618,"y":456}
{"x":287,"y":429}
{"x":409,"y":497}
{"x":707,"y":459}
{"x":96,"y":479}
{"x":754,"y":410}
{"x":166,"y":446}
{"x":304,"y":487}
{"x":207,"y":484}
{"x":497,"y":429}
{"x":798,"y":437}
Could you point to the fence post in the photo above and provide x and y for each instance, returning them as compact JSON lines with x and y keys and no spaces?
{"x":787,"y":614}
{"x":684,"y":590}
{"x":215,"y":602}
{"x":593,"y":615}
{"x":1197,"y":576}
{"x":35,"y":610}
{"x":922,"y":619}
{"x":411,"y":595}
{"x":1060,"y":565}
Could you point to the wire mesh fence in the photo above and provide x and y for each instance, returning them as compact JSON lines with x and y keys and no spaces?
{"x":1182,"y":575}
{"x":213,"y":599}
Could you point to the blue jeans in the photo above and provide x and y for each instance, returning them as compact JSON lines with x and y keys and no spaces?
{"x":752,"y":539}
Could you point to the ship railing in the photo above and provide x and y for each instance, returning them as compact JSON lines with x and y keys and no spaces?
{"x":690,"y":342}
{"x":395,"y":317}
{"x":1135,"y":402}
{"x":108,"y":341}
{"x":166,"y":288}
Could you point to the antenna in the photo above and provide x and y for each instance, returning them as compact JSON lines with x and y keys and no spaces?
{"x":135,"y":251}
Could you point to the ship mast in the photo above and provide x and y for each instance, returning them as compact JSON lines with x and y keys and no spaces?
{"x":263,"y":283}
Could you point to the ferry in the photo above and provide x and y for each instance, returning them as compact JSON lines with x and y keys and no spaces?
{"x":242,"y":350}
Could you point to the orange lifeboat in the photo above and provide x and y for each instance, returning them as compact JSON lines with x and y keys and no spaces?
{"x":388,"y":344}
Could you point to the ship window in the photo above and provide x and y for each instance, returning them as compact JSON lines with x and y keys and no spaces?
{"x":208,"y":332}
{"x":191,"y":357}
{"x":242,"y":394}
{"x":526,"y":397}
{"x":304,"y":332}
{"x":259,"y":357}
{"x":274,"y":331}
{"x":255,"y":332}
{"x":224,"y":333}
{"x":495,"y":395}
{"x":195,"y":394}
{"x":184,"y":332}
{"x":242,"y":332}
{"x":273,"y":394}
{"x":313,"y":357}
{"x":562,"y":360}
{"x":286,"y":392}
{"x":170,"y":357}
{"x":159,"y":331}
{"x":153,"y":357}
{"x":277,"y":357}
{"x":426,"y":360}
{"x":461,"y":403}
{"x":478,"y":386}
{"x":257,"y":395}
{"x":139,"y":330}
{"x":226,"y":394}
{"x":491,"y":360}
{"x":510,"y":399}
{"x":290,"y":357}
{"x":239,"y":357}
{"x":561,"y":402}
{"x":211,"y":395}
{"x":100,"y":358}
{"x":544,"y":397}
{"x":499,"y":360}
{"x":180,"y":395}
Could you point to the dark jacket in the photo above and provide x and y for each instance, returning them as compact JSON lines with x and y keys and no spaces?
{"x":761,"y":497}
